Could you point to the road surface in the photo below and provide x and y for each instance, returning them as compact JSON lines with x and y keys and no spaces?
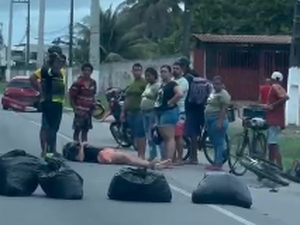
{"x":20,"y":130}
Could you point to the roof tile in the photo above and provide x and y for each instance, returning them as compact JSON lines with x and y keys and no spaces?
{"x":244,"y":39}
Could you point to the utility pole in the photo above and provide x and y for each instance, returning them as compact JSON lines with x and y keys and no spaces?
{"x":10,"y":32}
{"x":293,"y":88}
{"x":28,"y":39}
{"x":2,"y":54}
{"x":95,"y":39}
{"x":187,"y":23}
{"x":41,"y":32}
{"x":1,"y":48}
{"x":9,"y":47}
{"x":71,"y":31}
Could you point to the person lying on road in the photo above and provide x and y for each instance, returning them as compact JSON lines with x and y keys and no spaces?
{"x":83,"y":152}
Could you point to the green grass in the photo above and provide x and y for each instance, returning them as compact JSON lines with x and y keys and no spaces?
{"x":289,"y":144}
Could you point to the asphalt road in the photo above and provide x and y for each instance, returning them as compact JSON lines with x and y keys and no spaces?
{"x":21,"y":131}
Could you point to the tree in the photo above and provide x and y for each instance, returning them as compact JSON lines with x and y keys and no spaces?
{"x":150,"y":28}
{"x":243,"y":17}
{"x":118,"y":40}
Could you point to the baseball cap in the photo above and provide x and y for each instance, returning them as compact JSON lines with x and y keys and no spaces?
{"x":184,"y":61}
{"x":277,"y":76}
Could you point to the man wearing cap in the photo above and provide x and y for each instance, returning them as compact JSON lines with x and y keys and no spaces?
{"x":275,"y":116}
{"x":50,"y":82}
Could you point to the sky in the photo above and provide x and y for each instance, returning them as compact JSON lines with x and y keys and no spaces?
{"x":56,"y":19}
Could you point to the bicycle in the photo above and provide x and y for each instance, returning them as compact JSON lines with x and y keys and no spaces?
{"x":205,"y":144}
{"x":268,"y":170}
{"x":252,"y":138}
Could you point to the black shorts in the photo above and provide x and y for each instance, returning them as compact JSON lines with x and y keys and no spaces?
{"x":82,"y":122}
{"x":51,"y":115}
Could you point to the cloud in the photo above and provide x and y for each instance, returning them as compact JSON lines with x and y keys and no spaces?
{"x":56,"y":18}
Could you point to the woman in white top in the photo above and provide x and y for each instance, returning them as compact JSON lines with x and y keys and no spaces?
{"x":147,"y":106}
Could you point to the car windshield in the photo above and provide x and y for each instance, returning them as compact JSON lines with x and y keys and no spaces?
{"x":20,"y":84}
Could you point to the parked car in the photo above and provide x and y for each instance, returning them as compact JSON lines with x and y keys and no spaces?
{"x":19,"y":95}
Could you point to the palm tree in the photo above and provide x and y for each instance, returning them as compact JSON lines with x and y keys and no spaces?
{"x":118,"y":40}
{"x":164,"y":14}
{"x":156,"y":15}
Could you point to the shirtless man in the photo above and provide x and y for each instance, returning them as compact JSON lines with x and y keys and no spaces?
{"x":83,"y":152}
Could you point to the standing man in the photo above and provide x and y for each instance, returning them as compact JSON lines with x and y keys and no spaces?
{"x":275,"y":116}
{"x":82,"y":98}
{"x":184,"y":87}
{"x":50,"y":82}
{"x":198,"y":93}
{"x":131,"y":111}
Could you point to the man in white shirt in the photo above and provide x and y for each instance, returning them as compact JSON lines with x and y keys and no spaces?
{"x":184,"y":86}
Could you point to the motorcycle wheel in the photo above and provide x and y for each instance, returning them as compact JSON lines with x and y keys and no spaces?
{"x":117,"y":133}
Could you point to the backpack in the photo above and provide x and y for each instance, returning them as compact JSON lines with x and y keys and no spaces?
{"x":199,"y":90}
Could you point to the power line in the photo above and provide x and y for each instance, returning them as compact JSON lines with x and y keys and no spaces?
{"x":53,"y":31}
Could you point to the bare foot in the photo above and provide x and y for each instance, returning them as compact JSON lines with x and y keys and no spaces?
{"x":156,"y":165}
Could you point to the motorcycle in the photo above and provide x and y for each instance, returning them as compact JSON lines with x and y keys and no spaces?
{"x":119,"y":129}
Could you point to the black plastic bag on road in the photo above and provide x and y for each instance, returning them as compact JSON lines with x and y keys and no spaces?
{"x":222,"y":188}
{"x":19,"y":173}
{"x":60,"y":181}
{"x":140,"y":185}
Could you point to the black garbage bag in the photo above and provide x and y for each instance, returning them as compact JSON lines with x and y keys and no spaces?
{"x":132,"y":184}
{"x":19,"y":173}
{"x":222,"y":188}
{"x":60,"y":181}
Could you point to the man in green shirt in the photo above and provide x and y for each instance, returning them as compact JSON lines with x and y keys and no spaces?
{"x":132,"y":111}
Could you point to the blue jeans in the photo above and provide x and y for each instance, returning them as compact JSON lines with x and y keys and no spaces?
{"x":217,"y":137}
{"x":135,"y":122}
{"x":149,"y":121}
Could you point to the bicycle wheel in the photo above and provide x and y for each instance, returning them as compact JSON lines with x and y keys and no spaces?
{"x":209,"y":151}
{"x":289,"y":174}
{"x":239,"y":148}
{"x":186,"y":148}
{"x":118,"y":135}
{"x":263,"y":171}
{"x":259,"y":146}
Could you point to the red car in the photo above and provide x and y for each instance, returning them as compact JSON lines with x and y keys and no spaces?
{"x":19,"y":95}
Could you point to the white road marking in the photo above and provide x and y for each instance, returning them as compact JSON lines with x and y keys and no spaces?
{"x":182,"y":192}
